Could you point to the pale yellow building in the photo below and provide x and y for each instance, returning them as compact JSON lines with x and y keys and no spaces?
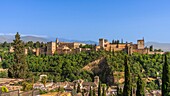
{"x":127,"y":47}
{"x":11,"y":50}
{"x":51,"y":48}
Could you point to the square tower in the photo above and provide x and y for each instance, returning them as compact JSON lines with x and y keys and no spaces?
{"x":101,"y":42}
{"x":51,"y":48}
{"x":140,"y":44}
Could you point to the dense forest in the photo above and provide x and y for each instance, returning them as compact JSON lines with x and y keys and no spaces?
{"x":68,"y":67}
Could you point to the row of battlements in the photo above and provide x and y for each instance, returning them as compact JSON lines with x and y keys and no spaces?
{"x":130,"y":48}
{"x":75,"y":47}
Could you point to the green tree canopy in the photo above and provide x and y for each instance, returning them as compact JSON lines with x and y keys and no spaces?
{"x":19,"y":67}
{"x":128,"y":85}
{"x":140,"y":87}
{"x":44,"y":80}
{"x":166,"y":78}
{"x":4,"y":89}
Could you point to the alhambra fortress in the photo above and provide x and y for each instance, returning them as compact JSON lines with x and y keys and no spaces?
{"x":58,"y":47}
{"x":127,"y":47}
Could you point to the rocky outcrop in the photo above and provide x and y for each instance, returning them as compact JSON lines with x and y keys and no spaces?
{"x":100,"y":68}
{"x":96,"y":66}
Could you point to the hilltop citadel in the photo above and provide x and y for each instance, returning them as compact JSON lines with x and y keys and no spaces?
{"x":58,"y":47}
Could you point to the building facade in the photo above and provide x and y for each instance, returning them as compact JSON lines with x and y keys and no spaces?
{"x":127,"y":47}
{"x":62,"y":47}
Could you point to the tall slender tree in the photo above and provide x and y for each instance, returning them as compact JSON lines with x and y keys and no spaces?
{"x":82,"y":93}
{"x":99,"y":89}
{"x":90,"y":92}
{"x":104,"y":90}
{"x":94,"y":92}
{"x":44,"y":80}
{"x":128,"y":85}
{"x":140,"y":87}
{"x":78,"y":88}
{"x":119,"y":91}
{"x":19,"y":67}
{"x":166,"y":78}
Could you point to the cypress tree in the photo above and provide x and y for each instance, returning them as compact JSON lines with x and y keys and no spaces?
{"x":119,"y":91}
{"x":104,"y":90}
{"x":140,"y":87}
{"x":127,"y":86}
{"x":20,"y":68}
{"x":99,"y":89}
{"x":78,"y":88}
{"x":82,"y":93}
{"x":94,"y":92}
{"x":166,"y":78}
{"x":90,"y":92}
{"x":74,"y":91}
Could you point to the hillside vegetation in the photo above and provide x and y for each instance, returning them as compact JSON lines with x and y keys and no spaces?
{"x":85,"y":65}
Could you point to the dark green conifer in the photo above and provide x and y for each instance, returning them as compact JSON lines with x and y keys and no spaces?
{"x":119,"y":91}
{"x":78,"y":88}
{"x":20,"y":68}
{"x":82,"y":93}
{"x":128,"y":85}
{"x":140,"y":87}
{"x":104,"y":90}
{"x":166,"y":78}
{"x":94,"y":92}
{"x":90,"y":92}
{"x":99,"y":89}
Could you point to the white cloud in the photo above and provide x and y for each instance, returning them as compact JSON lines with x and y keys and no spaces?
{"x":7,"y":34}
{"x":44,"y":36}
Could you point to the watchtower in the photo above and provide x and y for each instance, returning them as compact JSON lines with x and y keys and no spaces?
{"x":101,"y":42}
{"x":141,"y":44}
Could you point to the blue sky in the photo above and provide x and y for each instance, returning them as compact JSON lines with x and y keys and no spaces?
{"x":87,"y":19}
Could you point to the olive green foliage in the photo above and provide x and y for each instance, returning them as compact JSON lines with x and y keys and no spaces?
{"x":78,"y":88}
{"x":90,"y":92}
{"x":87,"y":46}
{"x":65,"y":67}
{"x":166,"y":78}
{"x":27,"y":86}
{"x":60,"y":89}
{"x":94,"y":92}
{"x":4,"y":47}
{"x":68,"y":67}
{"x":119,"y":91}
{"x":140,"y":87}
{"x":104,"y":90}
{"x":4,"y":89}
{"x":18,"y":68}
{"x":44,"y":80}
{"x":3,"y":74}
{"x":82,"y":93}
{"x":128,"y":85}
{"x":148,"y":66}
{"x":99,"y":89}
{"x":43,"y":92}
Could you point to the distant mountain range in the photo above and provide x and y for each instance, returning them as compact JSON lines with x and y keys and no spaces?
{"x":156,"y":45}
{"x":10,"y":38}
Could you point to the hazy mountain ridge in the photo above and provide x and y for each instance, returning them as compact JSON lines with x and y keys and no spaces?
{"x":86,"y":42}
{"x":10,"y":38}
{"x":157,"y":45}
